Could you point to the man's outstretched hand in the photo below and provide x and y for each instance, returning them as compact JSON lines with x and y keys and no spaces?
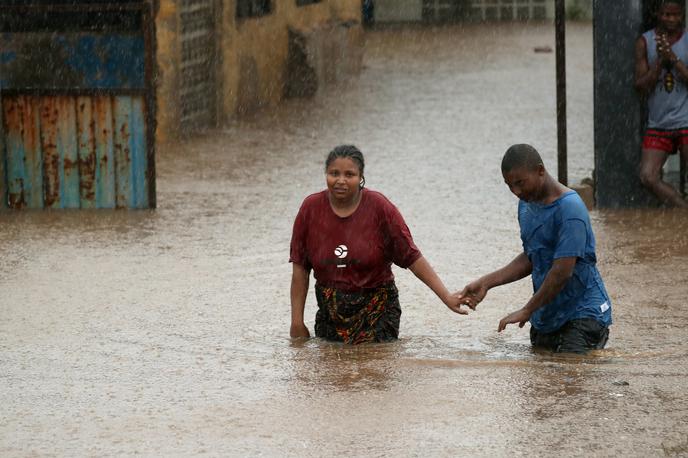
{"x":519,"y":316}
{"x":473,"y":293}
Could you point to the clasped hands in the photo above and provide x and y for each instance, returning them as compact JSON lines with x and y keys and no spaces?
{"x":473,"y":293}
{"x":664,"y":50}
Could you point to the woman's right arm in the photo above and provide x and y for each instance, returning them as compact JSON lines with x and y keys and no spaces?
{"x":299,"y":290}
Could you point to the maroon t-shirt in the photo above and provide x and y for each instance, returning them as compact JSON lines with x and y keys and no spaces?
{"x":353,"y":252}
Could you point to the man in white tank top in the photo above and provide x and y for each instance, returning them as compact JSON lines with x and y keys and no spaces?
{"x":661,"y":74}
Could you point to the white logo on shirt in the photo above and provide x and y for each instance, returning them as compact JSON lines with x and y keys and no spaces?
{"x":604,"y":307}
{"x":341,"y":251}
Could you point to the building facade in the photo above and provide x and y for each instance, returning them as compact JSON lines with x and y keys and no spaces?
{"x":220,"y":58}
{"x":475,"y":10}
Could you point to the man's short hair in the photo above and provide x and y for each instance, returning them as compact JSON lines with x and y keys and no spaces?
{"x":672,"y":2}
{"x":521,"y":155}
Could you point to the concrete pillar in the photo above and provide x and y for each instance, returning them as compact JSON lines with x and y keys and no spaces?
{"x":168,"y":60}
{"x":618,"y":111}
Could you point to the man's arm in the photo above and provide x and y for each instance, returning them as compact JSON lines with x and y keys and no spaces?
{"x":556,"y":279}
{"x":520,"y":267}
{"x":299,"y":289}
{"x":646,"y":76}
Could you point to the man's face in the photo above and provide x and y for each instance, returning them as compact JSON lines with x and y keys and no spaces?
{"x":670,"y":17}
{"x":525,"y":183}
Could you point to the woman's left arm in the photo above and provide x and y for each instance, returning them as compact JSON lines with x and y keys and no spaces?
{"x":422,"y":269}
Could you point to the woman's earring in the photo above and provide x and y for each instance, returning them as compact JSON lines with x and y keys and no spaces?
{"x":361,"y":183}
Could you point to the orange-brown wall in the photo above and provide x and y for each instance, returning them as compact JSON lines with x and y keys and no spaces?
{"x":252,"y":54}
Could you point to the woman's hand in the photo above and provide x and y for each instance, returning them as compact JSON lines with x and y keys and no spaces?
{"x":453,"y":301}
{"x":473,"y":293}
{"x":299,"y":330}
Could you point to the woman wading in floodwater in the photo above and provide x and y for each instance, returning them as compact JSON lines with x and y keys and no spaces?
{"x":350,"y":236}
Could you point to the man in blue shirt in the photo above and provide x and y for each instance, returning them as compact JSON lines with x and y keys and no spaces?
{"x":570,"y":310}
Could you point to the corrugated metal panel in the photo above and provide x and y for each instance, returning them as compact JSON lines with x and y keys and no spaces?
{"x":68,"y":152}
{"x":58,"y":134}
{"x":3,"y":161}
{"x":77,"y":103}
{"x":86,"y":152}
{"x":24,"y":161}
{"x":140,"y":191}
{"x":105,"y":161}
{"x":130,"y":153}
{"x":76,"y":151}
{"x":72,"y":60}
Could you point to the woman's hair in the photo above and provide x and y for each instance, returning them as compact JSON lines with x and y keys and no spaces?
{"x":349,"y":151}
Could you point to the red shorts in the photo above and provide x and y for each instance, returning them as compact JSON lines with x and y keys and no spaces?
{"x":668,"y":141}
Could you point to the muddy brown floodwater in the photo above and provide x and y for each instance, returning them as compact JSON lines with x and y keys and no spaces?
{"x":165,"y":333}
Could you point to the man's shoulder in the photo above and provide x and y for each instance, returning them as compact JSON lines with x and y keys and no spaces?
{"x":571,"y":206}
{"x":648,"y":33}
{"x":647,"y":36}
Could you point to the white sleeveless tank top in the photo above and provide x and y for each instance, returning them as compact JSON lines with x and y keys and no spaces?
{"x":668,"y":103}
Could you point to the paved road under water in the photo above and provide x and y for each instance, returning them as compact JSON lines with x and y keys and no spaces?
{"x":166,"y":332}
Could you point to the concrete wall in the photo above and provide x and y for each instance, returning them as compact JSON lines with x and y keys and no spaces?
{"x":255,"y":50}
{"x":253,"y":54}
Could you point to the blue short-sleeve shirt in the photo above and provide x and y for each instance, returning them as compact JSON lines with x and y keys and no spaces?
{"x":559,"y":230}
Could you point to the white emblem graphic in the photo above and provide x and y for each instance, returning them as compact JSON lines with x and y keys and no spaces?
{"x":341,"y":251}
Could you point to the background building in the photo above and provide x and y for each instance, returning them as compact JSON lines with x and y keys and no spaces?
{"x":475,"y":10}
{"x":87,"y":89}
{"x":217,"y":58}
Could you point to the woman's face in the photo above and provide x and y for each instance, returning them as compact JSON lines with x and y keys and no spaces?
{"x":343,"y":179}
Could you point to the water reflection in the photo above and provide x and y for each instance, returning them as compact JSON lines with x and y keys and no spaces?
{"x":330,"y":366}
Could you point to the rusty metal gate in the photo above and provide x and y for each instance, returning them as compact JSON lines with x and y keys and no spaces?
{"x":198,"y":85}
{"x":77,"y":104}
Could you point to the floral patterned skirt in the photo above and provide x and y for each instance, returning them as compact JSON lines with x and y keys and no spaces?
{"x":370,"y":315}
